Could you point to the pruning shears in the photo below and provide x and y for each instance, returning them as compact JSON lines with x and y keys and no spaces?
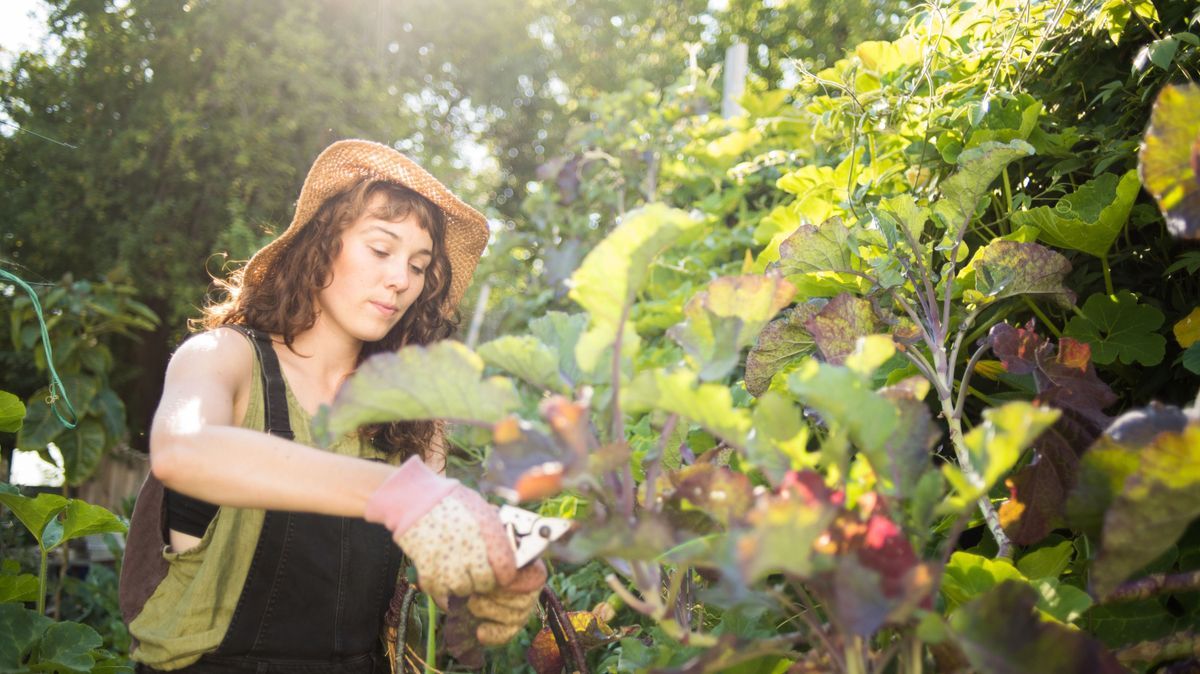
{"x":529,"y":533}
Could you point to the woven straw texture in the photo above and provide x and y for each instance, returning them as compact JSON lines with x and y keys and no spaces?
{"x":345,"y":163}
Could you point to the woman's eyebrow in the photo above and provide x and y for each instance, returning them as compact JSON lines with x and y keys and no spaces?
{"x":423,"y":251}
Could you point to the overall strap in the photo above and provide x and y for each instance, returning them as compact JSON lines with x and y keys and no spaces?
{"x":278,"y":422}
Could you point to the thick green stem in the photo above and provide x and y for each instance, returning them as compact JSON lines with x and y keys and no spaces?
{"x":431,"y":635}
{"x":1003,"y":544}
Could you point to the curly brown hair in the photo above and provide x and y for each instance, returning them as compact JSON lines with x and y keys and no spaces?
{"x":284,"y":302}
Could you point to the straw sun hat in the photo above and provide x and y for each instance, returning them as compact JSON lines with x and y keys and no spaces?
{"x":345,"y":163}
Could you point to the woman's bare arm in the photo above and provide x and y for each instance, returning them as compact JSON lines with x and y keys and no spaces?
{"x":197,"y":449}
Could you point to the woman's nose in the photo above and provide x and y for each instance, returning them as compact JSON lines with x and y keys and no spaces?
{"x":398,"y":278}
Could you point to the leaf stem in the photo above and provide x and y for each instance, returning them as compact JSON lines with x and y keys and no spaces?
{"x":1108,"y":284}
{"x":1042,"y":317}
{"x":964,"y":387}
{"x":618,"y":422}
{"x":41,"y":601}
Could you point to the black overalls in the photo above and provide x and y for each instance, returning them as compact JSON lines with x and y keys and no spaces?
{"x":318,"y":586}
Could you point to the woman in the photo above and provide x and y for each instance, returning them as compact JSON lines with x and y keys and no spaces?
{"x":275,"y":557}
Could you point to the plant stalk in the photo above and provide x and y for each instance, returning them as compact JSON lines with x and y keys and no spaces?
{"x":1003,"y":544}
{"x":41,"y":601}
{"x":431,"y":636}
{"x":560,"y":615}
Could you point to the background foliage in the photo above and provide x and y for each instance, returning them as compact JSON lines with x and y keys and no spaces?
{"x":890,"y":373}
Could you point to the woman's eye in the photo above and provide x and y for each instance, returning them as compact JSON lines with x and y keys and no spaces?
{"x":379,"y":253}
{"x":419,"y":271}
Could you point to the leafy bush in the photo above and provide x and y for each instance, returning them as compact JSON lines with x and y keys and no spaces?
{"x":937,"y":257}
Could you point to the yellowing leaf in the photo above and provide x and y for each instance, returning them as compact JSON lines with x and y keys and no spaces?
{"x":615,"y":270}
{"x":1187,"y":331}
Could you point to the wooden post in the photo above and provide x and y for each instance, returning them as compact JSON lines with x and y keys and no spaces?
{"x":736,"y":59}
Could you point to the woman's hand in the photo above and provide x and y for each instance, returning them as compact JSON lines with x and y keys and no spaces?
{"x":453,"y":537}
{"x":504,"y":611}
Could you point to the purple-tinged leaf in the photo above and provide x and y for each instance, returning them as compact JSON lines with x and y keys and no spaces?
{"x":526,"y":464}
{"x":782,"y":341}
{"x":909,"y":448}
{"x":1010,"y":268}
{"x":1144,"y":476}
{"x":838,"y":325}
{"x":1067,"y":381}
{"x":727,"y":316}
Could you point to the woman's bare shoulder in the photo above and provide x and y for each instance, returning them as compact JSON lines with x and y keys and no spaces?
{"x":221,"y":352}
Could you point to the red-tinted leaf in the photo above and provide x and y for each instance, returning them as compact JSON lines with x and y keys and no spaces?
{"x":458,"y":633}
{"x":591,"y":631}
{"x":783,"y":340}
{"x":1065,"y":380}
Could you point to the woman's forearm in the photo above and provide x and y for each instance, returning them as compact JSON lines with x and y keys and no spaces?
{"x":232,"y":466}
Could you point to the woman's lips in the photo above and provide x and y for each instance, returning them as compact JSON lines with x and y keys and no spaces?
{"x":385,"y":309}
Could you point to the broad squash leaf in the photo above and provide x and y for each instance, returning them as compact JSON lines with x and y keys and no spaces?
{"x":69,"y":646}
{"x":12,"y":412}
{"x":1118,"y":328}
{"x":1089,"y":219}
{"x":835,"y":329}
{"x":20,"y":629}
{"x":36,"y":513}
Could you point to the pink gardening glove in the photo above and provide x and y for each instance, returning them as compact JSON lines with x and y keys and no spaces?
{"x":453,"y":536}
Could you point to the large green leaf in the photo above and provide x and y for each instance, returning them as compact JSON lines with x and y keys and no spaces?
{"x":84,"y":519}
{"x":845,"y":398}
{"x":1001,"y":633}
{"x":398,"y":386}
{"x":40,"y":427}
{"x":968,"y":576}
{"x":727,"y":316}
{"x":12,"y":412}
{"x":782,"y":341}
{"x":994,"y":446}
{"x":1118,"y":328}
{"x":82,"y":449}
{"x":1009,"y":268}
{"x":1089,"y":219}
{"x":526,"y":357}
{"x":1168,"y":157}
{"x":68,"y":646}
{"x":20,"y":629}
{"x":779,"y":439}
{"x":678,"y":392}
{"x":615,"y":270}
{"x":35,"y":513}
{"x":812,"y":249}
{"x":977,"y":168}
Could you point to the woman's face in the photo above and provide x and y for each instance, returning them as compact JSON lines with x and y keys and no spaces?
{"x":377,"y":275}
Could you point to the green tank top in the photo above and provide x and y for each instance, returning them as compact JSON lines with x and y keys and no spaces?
{"x":190,"y":611}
